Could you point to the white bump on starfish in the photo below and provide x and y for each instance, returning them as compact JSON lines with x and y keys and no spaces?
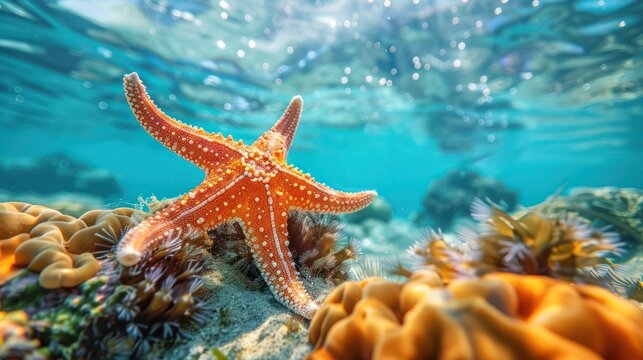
{"x":129,"y":256}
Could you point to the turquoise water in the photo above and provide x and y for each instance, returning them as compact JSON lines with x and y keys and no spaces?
{"x":536,"y":94}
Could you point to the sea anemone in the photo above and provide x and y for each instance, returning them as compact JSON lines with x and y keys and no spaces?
{"x":151,"y":301}
{"x":314,"y":240}
{"x":621,"y":209}
{"x":448,"y":260}
{"x":561,"y":246}
{"x":564,"y":246}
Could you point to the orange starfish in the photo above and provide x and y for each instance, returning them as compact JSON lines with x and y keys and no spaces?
{"x":252,"y":184}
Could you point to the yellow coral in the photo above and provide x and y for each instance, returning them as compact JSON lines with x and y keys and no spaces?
{"x":15,"y":342}
{"x":500,"y":316}
{"x":57,"y":246}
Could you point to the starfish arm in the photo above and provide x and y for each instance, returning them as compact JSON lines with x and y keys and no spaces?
{"x":211,"y":203}
{"x":195,"y":145}
{"x":306,"y":194}
{"x":267,"y":236}
{"x":280,"y":136}
{"x":287,"y":124}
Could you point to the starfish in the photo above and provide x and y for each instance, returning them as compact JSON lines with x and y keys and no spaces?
{"x":252,"y":184}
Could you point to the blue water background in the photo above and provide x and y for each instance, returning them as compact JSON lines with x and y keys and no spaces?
{"x":535,"y":93}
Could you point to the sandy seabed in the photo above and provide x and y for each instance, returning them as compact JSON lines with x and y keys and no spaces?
{"x":247,"y":322}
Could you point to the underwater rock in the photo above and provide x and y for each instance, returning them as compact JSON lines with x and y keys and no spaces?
{"x":518,"y":316}
{"x":450,"y":198}
{"x":379,"y":209}
{"x":62,"y":173}
{"x":464,"y":130}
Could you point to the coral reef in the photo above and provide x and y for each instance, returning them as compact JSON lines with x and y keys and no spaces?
{"x":130,"y":312}
{"x":15,"y":337}
{"x":449,"y":198}
{"x":104,"y":228}
{"x":565,"y":247}
{"x":621,"y":209}
{"x":498,"y":316}
{"x":63,"y":174}
{"x":108,"y":312}
{"x":313,"y":239}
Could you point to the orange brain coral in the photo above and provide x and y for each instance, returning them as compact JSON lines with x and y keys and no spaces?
{"x":57,"y":246}
{"x":501,"y":316}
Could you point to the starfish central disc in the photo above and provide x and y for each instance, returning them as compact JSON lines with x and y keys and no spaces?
{"x":259,"y":166}
{"x":252,"y":184}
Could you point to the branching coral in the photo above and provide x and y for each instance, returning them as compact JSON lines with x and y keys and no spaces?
{"x":565,"y":247}
{"x":500,"y":316}
{"x":313,"y":240}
